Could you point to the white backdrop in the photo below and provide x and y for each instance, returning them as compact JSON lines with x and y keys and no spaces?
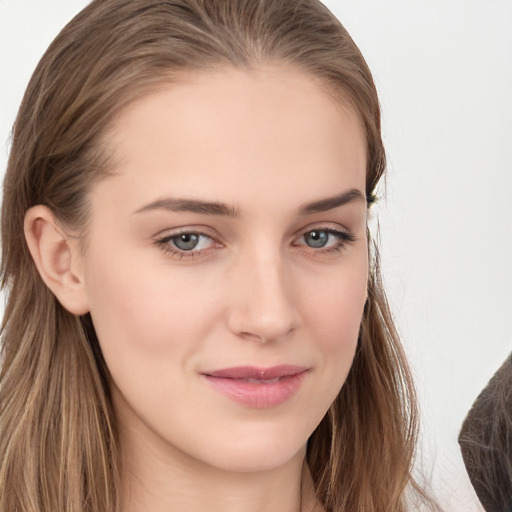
{"x":444,"y":72}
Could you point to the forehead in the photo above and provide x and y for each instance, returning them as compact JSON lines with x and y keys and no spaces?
{"x":239,"y":130}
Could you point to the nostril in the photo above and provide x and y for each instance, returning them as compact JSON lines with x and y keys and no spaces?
{"x":267,"y":334}
{"x":248,"y":335}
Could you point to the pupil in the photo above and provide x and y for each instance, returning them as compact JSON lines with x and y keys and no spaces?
{"x":317,"y":238}
{"x":186,"y":242}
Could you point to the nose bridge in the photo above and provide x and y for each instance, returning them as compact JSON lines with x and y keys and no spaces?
{"x":263,"y":306}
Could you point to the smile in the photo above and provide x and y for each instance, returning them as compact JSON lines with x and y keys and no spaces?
{"x":258,"y":387}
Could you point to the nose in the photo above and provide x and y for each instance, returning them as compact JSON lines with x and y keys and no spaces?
{"x":262,"y":303}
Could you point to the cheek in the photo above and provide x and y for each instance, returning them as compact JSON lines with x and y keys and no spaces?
{"x":332,"y":315}
{"x":334,"y":310}
{"x":145,"y":310}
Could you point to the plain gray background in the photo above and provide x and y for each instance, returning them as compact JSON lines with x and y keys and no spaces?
{"x":444,"y":73}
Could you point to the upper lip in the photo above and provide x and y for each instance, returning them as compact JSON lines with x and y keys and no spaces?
{"x":253,"y":372}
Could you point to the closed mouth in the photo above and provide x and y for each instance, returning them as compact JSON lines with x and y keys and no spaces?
{"x":253,"y":373}
{"x":258,"y":387}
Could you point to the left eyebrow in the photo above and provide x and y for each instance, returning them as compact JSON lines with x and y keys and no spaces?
{"x":190,"y":205}
{"x":329,"y":203}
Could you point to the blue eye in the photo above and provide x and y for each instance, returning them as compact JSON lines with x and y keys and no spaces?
{"x":185,"y":244}
{"x":186,"y":241}
{"x":317,"y":238}
{"x":326,"y":239}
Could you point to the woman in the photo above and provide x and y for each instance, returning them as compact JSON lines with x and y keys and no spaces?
{"x":195,"y":315}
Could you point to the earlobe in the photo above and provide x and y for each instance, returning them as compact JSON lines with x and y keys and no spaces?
{"x":57,"y":258}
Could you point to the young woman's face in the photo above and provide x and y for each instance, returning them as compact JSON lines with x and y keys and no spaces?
{"x":226,"y":265}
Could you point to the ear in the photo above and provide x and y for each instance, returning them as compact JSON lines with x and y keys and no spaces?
{"x":57,"y":257}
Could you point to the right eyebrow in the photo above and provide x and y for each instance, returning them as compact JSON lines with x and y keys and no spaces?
{"x":190,"y":205}
{"x":330,"y":203}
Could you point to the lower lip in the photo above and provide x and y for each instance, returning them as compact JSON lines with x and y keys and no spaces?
{"x":259,"y":395}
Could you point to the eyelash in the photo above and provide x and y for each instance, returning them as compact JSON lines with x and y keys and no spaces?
{"x":164,"y":243}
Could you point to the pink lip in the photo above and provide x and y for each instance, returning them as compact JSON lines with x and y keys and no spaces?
{"x":258,"y":387}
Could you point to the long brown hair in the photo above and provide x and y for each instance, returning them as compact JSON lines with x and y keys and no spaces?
{"x":58,"y":448}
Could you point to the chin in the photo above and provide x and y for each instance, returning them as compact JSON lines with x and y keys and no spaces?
{"x":259,"y":460}
{"x":256,"y":451}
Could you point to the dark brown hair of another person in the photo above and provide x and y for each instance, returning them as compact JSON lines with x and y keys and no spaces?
{"x":486,"y":442}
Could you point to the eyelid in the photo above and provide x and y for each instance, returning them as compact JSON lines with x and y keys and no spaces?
{"x":193,"y":228}
{"x":323,"y":226}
